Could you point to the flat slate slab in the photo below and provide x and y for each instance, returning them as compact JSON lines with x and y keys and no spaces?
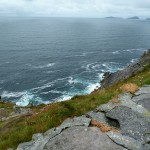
{"x":125,"y":141}
{"x":39,"y":140}
{"x":143,"y":99}
{"x":132,"y":123}
{"x":82,"y":138}
{"x":98,"y":116}
{"x":143,"y":90}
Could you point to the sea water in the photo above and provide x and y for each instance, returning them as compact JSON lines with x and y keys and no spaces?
{"x":52,"y":59}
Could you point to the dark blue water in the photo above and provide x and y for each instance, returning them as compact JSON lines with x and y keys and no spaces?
{"x":48,"y":59}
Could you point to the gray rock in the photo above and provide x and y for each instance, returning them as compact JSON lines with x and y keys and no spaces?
{"x":37,"y":143}
{"x":125,"y":141}
{"x":81,"y":138}
{"x":143,"y":99}
{"x":107,"y":107}
{"x":125,"y":96}
{"x":143,"y":90}
{"x":98,"y":116}
{"x":126,"y":100}
{"x":77,"y":121}
{"x":39,"y":140}
{"x":132,"y":123}
{"x":111,"y":78}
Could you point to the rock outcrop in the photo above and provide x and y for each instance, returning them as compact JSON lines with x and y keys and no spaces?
{"x":127,"y":124}
{"x":111,"y":78}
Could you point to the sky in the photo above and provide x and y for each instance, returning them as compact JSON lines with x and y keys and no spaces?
{"x":75,"y":8}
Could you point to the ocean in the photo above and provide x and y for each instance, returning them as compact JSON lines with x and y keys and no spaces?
{"x":53,"y":59}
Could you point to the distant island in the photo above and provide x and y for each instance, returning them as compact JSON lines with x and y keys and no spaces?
{"x":147,"y":18}
{"x":112,"y":17}
{"x":134,"y":17}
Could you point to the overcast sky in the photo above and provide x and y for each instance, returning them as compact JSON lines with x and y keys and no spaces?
{"x":75,"y":8}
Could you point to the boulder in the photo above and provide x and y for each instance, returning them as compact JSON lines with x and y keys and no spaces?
{"x":77,"y":121}
{"x":82,"y":138}
{"x":143,"y":100}
{"x":126,"y":100}
{"x":39,"y":140}
{"x":132,"y":123}
{"x":98,"y":116}
{"x":107,"y":107}
{"x":125,"y":141}
{"x":143,"y":90}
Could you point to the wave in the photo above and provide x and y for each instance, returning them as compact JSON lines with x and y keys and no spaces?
{"x":7,"y":94}
{"x":133,"y":60}
{"x":63,"y":98}
{"x":115,"y":52}
{"x":112,"y":67}
{"x":38,"y":89}
{"x":132,"y":50}
{"x":44,"y":66}
{"x":103,"y":67}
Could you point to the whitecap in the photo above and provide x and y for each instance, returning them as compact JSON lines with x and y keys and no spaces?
{"x":44,"y":66}
{"x":28,"y":98}
{"x":115,"y":52}
{"x":90,"y":88}
{"x":131,"y":50}
{"x":70,"y":80}
{"x":112,"y":67}
{"x":77,"y":55}
{"x":100,"y":76}
{"x":47,"y":85}
{"x":7,"y":94}
{"x":63,"y":98}
{"x":25,"y":100}
{"x":133,"y":60}
{"x":89,"y":66}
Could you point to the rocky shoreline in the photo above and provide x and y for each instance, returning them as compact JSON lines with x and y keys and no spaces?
{"x":133,"y":68}
{"x":121,"y":124}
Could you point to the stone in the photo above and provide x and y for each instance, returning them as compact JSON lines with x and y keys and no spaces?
{"x":98,"y":116}
{"x":39,"y":140}
{"x":77,"y":121}
{"x":81,"y":138}
{"x":125,"y":141}
{"x":143,"y":100}
{"x":126,"y":100}
{"x":143,"y":90}
{"x":107,"y":107}
{"x":132,"y":123}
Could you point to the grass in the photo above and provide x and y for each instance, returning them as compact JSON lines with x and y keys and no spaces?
{"x":52,"y":115}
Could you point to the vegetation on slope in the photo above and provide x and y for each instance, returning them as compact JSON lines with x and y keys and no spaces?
{"x":52,"y":115}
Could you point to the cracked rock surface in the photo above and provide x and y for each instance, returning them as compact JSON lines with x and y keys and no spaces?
{"x":130,"y":116}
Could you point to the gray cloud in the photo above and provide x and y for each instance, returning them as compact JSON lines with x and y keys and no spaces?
{"x":75,"y":8}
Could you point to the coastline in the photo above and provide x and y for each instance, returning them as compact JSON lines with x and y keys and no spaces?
{"x":35,"y":119}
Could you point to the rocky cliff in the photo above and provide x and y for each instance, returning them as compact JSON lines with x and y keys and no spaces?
{"x":130,"y":70}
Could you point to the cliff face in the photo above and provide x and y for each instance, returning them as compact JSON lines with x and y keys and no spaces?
{"x":111,"y":78}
